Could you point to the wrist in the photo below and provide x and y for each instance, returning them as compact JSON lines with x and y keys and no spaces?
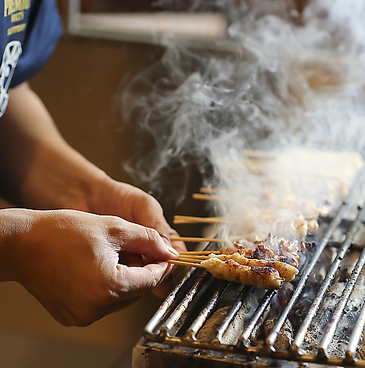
{"x":81,"y":190}
{"x":85,"y":193}
{"x":14,"y":223}
{"x":68,"y":184}
{"x":104,"y":195}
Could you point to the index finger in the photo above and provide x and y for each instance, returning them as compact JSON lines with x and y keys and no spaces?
{"x":152,"y":215}
{"x":143,"y":240}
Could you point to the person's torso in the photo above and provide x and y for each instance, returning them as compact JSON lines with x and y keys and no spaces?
{"x":29,"y":30}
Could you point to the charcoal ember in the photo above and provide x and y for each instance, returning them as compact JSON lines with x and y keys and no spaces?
{"x":343,"y":332}
{"x":341,"y":338}
{"x":282,"y":342}
{"x":236,"y":327}
{"x":361,"y":349}
{"x":209,"y":330}
{"x":285,"y":335}
{"x":361,"y":353}
{"x":321,"y":320}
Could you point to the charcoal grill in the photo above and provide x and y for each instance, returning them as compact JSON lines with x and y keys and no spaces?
{"x":316,"y":320}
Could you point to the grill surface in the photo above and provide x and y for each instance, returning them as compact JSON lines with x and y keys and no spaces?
{"x":317,"y":318}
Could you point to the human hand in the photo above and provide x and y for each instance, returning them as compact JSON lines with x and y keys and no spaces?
{"x":120,"y":199}
{"x":82,"y":266}
{"x":137,"y":206}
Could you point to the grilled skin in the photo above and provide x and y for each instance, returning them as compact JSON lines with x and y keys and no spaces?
{"x":286,"y":271}
{"x":230,"y":270}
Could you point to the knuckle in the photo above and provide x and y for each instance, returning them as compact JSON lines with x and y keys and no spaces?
{"x":147,"y":201}
{"x":152,"y":235}
{"x":114,"y":222}
{"x":152,"y":280}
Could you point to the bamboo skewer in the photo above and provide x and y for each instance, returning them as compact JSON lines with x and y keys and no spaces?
{"x":244,"y":269}
{"x":211,"y":190}
{"x":198,"y":240}
{"x":199,"y":252}
{"x":185,"y":263}
{"x":209,"y":197}
{"x":179,"y":219}
{"x":192,"y":258}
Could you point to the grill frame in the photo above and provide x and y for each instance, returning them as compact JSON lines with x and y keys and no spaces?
{"x":161,"y":331}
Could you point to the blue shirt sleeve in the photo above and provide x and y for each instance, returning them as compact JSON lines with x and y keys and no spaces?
{"x":44,"y":28}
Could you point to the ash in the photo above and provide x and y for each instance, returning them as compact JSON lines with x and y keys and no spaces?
{"x":239,"y":321}
{"x":238,"y":324}
{"x":341,"y":338}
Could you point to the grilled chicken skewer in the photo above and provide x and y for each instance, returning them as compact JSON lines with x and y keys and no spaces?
{"x":286,"y":271}
{"x":266,"y":264}
{"x":225,"y":267}
{"x":262,"y":277}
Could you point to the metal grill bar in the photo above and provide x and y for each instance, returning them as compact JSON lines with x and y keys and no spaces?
{"x":207,"y":310}
{"x":177,"y":313}
{"x":331,"y":328}
{"x":149,"y":332}
{"x":233,"y":311}
{"x":355,"y":336}
{"x":266,"y":300}
{"x":199,"y":296}
{"x":298,"y":340}
{"x":298,"y":291}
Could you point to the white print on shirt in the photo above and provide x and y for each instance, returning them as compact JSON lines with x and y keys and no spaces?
{"x":10,"y":60}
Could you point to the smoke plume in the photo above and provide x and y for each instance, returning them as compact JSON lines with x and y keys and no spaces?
{"x":295,"y":78}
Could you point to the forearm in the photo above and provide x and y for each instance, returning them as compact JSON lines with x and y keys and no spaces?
{"x":38,"y":168}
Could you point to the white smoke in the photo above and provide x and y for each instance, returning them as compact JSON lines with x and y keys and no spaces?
{"x":297,"y":78}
